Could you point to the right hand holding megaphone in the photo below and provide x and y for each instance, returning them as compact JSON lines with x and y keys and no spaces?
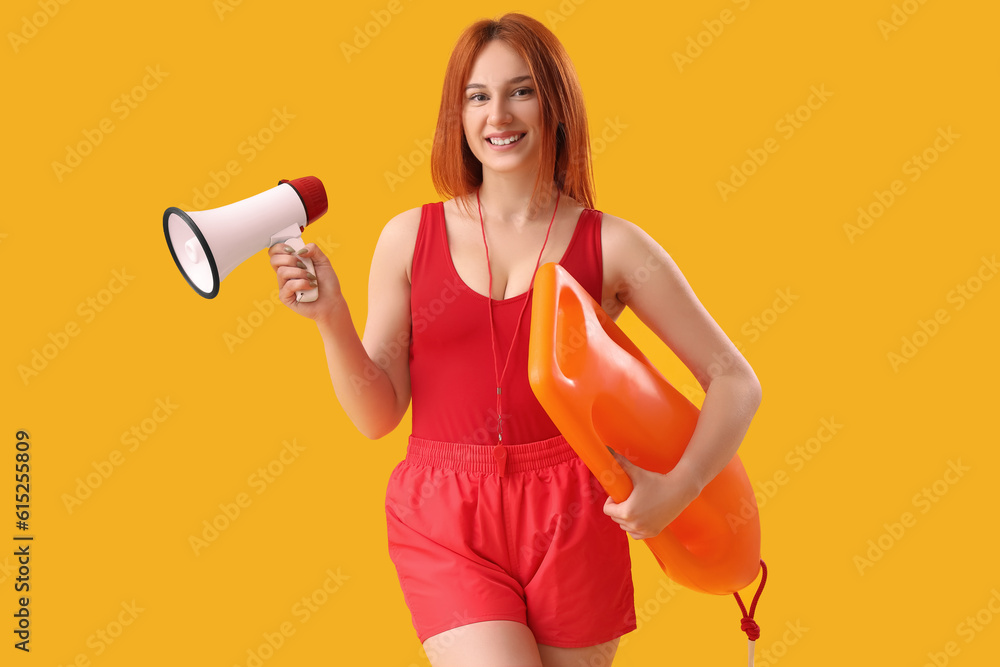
{"x":294,"y":277}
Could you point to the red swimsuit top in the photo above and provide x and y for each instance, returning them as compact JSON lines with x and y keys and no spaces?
{"x":452,"y":372}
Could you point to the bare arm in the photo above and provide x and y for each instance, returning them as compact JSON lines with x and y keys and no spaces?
{"x":370,"y":378}
{"x":668,"y":306}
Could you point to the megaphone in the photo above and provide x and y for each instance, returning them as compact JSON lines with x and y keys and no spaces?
{"x":208,"y":245}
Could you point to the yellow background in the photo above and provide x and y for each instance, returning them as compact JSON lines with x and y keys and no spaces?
{"x":679,"y":131}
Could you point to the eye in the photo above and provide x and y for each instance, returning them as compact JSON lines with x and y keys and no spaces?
{"x":473,"y":98}
{"x":526,"y":91}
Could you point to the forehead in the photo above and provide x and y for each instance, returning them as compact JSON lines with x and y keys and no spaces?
{"x":497,"y":63}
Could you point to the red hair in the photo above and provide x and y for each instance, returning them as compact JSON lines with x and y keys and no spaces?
{"x":565,"y":153}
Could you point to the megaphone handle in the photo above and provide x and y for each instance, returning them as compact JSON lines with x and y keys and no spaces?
{"x":305,"y":296}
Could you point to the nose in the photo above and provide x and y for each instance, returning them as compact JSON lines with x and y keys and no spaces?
{"x":499,"y":113}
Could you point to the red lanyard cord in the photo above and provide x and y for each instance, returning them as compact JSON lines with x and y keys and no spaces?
{"x":498,"y":452}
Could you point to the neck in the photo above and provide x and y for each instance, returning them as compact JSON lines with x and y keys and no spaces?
{"x":506,"y":199}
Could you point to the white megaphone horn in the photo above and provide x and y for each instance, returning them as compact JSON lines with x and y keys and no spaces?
{"x":208,"y":245}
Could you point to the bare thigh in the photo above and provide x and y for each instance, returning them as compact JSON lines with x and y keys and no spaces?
{"x":600,"y":655}
{"x":509,"y":644}
{"x":485,"y":644}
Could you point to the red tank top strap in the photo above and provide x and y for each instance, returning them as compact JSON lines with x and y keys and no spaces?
{"x":429,"y":261}
{"x":584,"y":259}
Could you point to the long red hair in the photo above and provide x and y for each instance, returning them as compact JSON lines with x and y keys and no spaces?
{"x":565,"y":154}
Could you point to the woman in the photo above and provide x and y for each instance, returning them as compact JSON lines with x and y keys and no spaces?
{"x":508,"y":551}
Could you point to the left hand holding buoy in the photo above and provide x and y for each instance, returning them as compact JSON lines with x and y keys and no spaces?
{"x":655,"y":501}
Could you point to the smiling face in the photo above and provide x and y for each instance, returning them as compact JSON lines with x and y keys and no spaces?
{"x":501,"y":107}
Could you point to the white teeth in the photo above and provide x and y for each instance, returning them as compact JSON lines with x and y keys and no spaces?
{"x":504,"y":142}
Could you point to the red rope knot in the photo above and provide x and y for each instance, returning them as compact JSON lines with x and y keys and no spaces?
{"x":749,"y":626}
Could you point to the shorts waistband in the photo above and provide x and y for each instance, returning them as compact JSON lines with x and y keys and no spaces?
{"x":522,"y":457}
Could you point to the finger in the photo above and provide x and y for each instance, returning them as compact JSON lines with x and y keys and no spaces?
{"x":289,"y":289}
{"x":294,"y":279}
{"x":278,"y":255}
{"x":280,"y":260}
{"x":311,"y":250}
{"x":611,"y":508}
{"x":301,"y":285}
{"x":286,"y":273}
{"x":280,"y":249}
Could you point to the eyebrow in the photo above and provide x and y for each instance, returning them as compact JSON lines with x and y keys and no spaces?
{"x":516,"y":79}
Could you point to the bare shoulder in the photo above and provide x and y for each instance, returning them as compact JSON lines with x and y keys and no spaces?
{"x":630,"y":254}
{"x":619,"y":234}
{"x":398,"y":238}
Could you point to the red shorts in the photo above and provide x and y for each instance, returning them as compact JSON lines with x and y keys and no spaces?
{"x":533,"y":546}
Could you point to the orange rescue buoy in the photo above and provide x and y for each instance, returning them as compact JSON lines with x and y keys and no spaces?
{"x":601,"y":391}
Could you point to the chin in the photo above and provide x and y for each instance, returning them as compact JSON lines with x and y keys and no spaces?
{"x":506,"y":166}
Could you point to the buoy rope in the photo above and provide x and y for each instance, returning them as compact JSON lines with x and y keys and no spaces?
{"x":747,"y":623}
